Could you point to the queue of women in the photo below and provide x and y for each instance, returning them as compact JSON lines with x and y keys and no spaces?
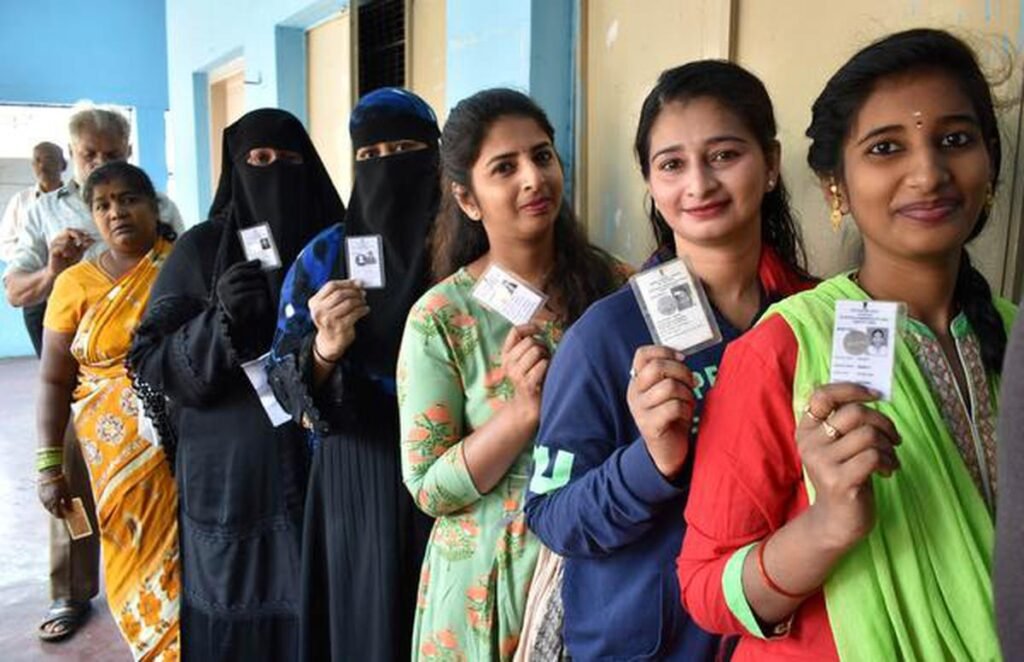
{"x":438,"y":483}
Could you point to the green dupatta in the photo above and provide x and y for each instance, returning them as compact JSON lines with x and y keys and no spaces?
{"x":918,"y":587}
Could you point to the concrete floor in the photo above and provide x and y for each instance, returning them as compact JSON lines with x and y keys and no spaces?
{"x":24,"y":565}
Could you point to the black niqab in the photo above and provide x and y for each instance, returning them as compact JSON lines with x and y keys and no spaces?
{"x":296,"y":201}
{"x":395,"y":197}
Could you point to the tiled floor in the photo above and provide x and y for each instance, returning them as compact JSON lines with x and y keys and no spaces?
{"x":24,"y":593}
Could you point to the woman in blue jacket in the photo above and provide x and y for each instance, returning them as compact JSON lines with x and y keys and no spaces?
{"x":619,"y":415}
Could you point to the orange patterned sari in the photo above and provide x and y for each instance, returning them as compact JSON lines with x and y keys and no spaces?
{"x":136,"y":497}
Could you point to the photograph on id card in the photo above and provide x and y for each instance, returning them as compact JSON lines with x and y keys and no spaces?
{"x":675,"y":308}
{"x":77,"y":521}
{"x":365,"y":257}
{"x":258,"y":244}
{"x":864,"y":343}
{"x":508,"y":295}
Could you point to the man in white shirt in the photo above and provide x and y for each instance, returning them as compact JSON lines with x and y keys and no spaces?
{"x":48,"y":166}
{"x":58,"y":232}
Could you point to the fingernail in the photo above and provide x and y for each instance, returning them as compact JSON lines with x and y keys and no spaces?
{"x":680,"y":357}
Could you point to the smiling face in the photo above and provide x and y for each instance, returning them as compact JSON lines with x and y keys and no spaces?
{"x":127,"y":220}
{"x":708,"y":173}
{"x":916,"y":169}
{"x":516,"y":182}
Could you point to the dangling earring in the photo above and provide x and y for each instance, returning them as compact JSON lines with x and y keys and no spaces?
{"x":990,"y":198}
{"x":836,"y":217}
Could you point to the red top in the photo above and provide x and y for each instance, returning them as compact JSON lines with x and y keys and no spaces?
{"x":747,"y":483}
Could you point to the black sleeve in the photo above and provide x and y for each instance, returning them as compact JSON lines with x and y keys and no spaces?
{"x":290,"y":364}
{"x":183,"y":347}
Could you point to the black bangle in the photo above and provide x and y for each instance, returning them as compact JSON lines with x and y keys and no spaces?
{"x":323,"y":359}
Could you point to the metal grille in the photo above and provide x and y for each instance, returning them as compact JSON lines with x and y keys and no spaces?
{"x":381,"y":45}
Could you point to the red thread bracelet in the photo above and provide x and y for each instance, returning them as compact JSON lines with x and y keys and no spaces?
{"x":768,"y":580}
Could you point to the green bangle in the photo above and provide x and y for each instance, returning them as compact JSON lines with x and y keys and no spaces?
{"x":48,"y":458}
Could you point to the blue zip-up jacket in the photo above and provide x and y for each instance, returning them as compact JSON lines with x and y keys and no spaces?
{"x":597,"y":498}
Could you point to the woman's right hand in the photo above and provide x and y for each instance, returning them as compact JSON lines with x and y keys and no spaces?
{"x":661,"y":401}
{"x":842,"y":443}
{"x":335,"y":309}
{"x":525,"y":360}
{"x":53,"y":492}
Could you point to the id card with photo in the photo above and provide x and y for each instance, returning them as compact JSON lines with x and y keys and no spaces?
{"x":257,"y":374}
{"x":77,"y":521}
{"x":864,"y":343}
{"x":365,"y":257}
{"x":258,"y":244}
{"x":675,"y":307}
{"x":508,"y":295}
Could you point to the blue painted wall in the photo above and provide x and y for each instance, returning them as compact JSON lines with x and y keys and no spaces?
{"x":204,"y":35}
{"x":59,"y":52}
{"x":528,"y":45}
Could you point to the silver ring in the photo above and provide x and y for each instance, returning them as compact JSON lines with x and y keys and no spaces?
{"x":632,"y":374}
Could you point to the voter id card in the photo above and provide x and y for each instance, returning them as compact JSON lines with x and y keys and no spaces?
{"x":258,"y":244}
{"x":365,"y":257}
{"x":508,"y":295}
{"x":864,"y":343}
{"x":77,"y":521}
{"x":675,"y":307}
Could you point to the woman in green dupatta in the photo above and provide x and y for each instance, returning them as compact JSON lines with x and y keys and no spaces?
{"x":871,"y":537}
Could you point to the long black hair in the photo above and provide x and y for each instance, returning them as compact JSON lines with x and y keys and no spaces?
{"x":836,"y":108}
{"x":743,"y":94}
{"x":136,"y":180}
{"x":582,"y":272}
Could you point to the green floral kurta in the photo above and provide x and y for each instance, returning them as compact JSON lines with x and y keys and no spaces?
{"x":481,"y":556}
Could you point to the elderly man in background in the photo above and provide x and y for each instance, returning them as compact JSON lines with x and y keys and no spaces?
{"x":48,"y":166}
{"x":58,"y":232}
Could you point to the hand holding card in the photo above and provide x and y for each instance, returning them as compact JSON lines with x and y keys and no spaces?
{"x":525,"y":360}
{"x":661,"y":401}
{"x":335,"y":309}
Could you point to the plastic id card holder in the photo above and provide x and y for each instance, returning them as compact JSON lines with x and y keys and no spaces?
{"x":675,"y":307}
{"x":365,"y":257}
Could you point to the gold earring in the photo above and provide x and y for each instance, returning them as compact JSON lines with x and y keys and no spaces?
{"x":990,"y":198}
{"x":836,"y":217}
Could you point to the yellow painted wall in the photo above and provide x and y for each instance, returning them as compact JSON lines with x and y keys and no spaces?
{"x":795,"y":45}
{"x":426,"y":70}
{"x":626,"y":45}
{"x":329,"y":97}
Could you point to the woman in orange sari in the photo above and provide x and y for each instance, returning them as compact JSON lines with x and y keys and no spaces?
{"x":90,"y":319}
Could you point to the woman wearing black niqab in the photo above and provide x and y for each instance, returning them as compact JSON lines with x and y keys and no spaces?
{"x":240,"y":479}
{"x":333,"y":368}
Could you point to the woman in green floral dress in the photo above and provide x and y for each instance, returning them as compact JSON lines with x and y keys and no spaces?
{"x":470,"y":383}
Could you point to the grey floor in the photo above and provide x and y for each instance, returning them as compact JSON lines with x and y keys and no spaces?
{"x":24,"y":594}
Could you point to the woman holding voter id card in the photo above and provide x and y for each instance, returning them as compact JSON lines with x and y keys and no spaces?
{"x":623,"y":398}
{"x":516,"y":270}
{"x":829,"y":519}
{"x":343,"y":308}
{"x":210,"y":319}
{"x":92,"y":313}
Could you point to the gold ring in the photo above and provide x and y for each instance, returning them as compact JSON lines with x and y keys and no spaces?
{"x":830,"y":430}
{"x":814,"y":417}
